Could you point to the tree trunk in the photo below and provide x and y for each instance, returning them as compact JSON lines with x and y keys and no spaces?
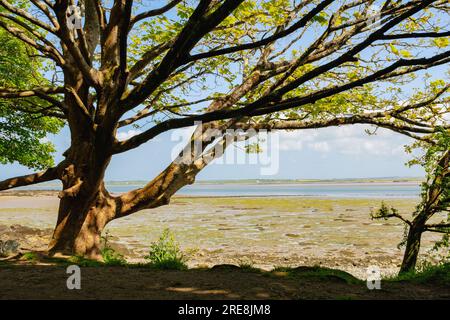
{"x":85,"y":206}
{"x":79,"y":226}
{"x":412,"y":249}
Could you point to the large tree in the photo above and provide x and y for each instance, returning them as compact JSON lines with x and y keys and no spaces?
{"x":268,"y":64}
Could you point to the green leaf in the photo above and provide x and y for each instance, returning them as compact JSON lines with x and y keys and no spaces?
{"x":441,"y":42}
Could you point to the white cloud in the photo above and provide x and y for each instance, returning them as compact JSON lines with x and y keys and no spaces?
{"x":321,"y":146}
{"x":348,"y":140}
{"x":295,"y":140}
{"x":288,"y":144}
{"x":125,"y":135}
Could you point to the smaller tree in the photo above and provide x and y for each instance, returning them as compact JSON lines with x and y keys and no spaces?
{"x":435,"y":199}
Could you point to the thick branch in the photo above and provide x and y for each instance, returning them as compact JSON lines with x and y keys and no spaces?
{"x":35,"y":92}
{"x":43,"y":176}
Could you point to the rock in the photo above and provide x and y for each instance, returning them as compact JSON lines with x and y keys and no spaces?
{"x":229,"y":267}
{"x":292,"y":235}
{"x":9,"y":247}
{"x":33,"y":239}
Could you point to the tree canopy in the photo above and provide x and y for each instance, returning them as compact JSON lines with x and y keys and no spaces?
{"x":23,"y":129}
{"x":230,"y":64}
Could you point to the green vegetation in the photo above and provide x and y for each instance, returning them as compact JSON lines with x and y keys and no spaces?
{"x":111,"y":256}
{"x":30,"y":256}
{"x":82,"y":262}
{"x":165,"y":253}
{"x":426,"y":273}
{"x":23,"y":129}
{"x":435,"y":198}
{"x":248,"y":265}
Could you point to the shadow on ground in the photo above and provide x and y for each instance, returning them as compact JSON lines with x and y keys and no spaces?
{"x":28,"y":281}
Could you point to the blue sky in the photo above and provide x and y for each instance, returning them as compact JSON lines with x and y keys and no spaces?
{"x":344,"y":152}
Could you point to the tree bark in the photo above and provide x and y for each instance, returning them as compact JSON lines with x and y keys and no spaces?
{"x":85,"y":205}
{"x":80,"y":224}
{"x":412,"y":249}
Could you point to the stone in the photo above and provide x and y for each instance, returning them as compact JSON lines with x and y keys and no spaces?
{"x":9,"y":247}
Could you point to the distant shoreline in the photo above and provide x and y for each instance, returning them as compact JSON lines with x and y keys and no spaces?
{"x":358,"y":189}
{"x":259,"y":182}
{"x":291,"y":181}
{"x":54,"y":193}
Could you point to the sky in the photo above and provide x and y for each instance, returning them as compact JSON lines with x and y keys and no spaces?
{"x":329,"y":153}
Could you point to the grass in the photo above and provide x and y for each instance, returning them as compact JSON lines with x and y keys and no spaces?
{"x":167,"y":265}
{"x":437,"y":274}
{"x":248,"y":266}
{"x":83,"y":262}
{"x":30,"y":256}
{"x":429,"y":273}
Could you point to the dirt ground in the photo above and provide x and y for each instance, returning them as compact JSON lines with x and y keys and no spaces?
{"x":49,"y":282}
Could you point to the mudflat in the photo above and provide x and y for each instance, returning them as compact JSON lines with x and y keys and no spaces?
{"x":264,"y":232}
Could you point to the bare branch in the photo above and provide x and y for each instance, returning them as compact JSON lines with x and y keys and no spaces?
{"x":196,"y":28}
{"x":44,"y":7}
{"x":154,"y":12}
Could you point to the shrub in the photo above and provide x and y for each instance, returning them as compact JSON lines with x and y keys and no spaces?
{"x":110,"y":256}
{"x":165,"y":253}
